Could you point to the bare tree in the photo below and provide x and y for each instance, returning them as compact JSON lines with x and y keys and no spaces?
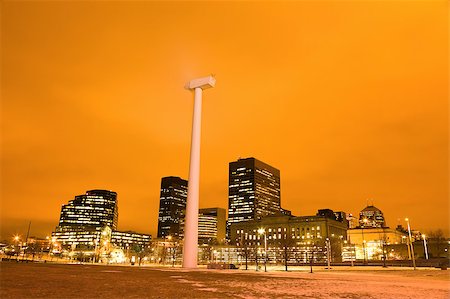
{"x":287,"y":242}
{"x":244,"y":250}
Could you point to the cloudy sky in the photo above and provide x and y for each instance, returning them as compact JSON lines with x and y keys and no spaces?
{"x":349,"y":99}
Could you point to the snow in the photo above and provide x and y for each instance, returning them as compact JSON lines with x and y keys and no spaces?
{"x":33,"y":280}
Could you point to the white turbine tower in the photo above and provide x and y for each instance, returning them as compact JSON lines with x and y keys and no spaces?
{"x":191,"y":221}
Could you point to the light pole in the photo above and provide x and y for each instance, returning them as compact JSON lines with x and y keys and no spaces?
{"x":407,"y":246}
{"x":262,"y":231}
{"x":17,"y":239}
{"x":172,"y":250}
{"x":365,"y":220}
{"x":425,"y":245}
{"x":328,"y":253}
{"x":411,"y":244}
{"x":191,"y":225}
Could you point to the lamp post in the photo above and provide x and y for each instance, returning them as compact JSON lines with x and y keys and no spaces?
{"x":172,"y":250}
{"x":262,"y":231}
{"x":191,"y":225}
{"x":16,"y":240}
{"x":365,"y":220}
{"x":328,"y":253}
{"x":407,"y":246}
{"x":425,"y":246}
{"x":411,"y":244}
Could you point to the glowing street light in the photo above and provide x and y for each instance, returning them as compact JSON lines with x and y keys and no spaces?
{"x":425,"y":245}
{"x":365,"y":220}
{"x":328,"y":253}
{"x":411,"y":244}
{"x":16,"y":240}
{"x":191,"y":225}
{"x":262,"y":231}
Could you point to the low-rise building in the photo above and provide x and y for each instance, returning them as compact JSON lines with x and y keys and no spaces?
{"x":129,"y":239}
{"x":369,"y":242}
{"x":297,"y":239}
{"x":211,"y":226}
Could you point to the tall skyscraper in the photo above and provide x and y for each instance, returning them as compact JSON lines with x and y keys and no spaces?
{"x":96,"y":208}
{"x":172,"y":206}
{"x":253,"y":191}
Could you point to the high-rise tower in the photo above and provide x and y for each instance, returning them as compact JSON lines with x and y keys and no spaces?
{"x":172,"y":206}
{"x":96,"y":208}
{"x":253,"y":191}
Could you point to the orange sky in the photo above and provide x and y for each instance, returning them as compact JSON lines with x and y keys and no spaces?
{"x":348,"y":99}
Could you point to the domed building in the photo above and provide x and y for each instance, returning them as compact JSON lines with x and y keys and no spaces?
{"x":371,"y":216}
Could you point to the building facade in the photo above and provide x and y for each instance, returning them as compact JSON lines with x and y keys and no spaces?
{"x":172,"y":206}
{"x":96,"y":208}
{"x":371,"y":216}
{"x":368,"y":242}
{"x":89,"y":222}
{"x":130,"y":239}
{"x":297,"y":239}
{"x":211,"y":226}
{"x":253,"y":191}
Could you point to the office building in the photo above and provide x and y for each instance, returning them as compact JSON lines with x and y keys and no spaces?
{"x":172,"y":206}
{"x":211,"y":226}
{"x":96,"y":208}
{"x":130,"y":239}
{"x":301,"y":235}
{"x":90,"y":221}
{"x":253,"y":191}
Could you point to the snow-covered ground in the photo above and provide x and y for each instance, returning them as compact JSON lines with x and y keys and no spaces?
{"x":21,"y":280}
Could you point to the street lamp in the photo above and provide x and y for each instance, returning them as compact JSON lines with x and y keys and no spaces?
{"x":262,"y":231}
{"x":171,"y":250}
{"x":425,"y":245}
{"x":365,"y":220}
{"x":16,"y":240}
{"x":191,"y":225}
{"x":328,"y":242}
{"x":411,"y":244}
{"x":407,"y":246}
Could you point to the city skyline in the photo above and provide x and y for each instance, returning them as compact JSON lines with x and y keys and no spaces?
{"x":351,"y":106}
{"x":176,"y":181}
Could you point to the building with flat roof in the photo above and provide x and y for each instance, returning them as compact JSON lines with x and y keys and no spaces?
{"x":89,"y":222}
{"x":301,"y":235}
{"x":253,"y":191}
{"x":96,"y":208}
{"x":129,"y":239}
{"x":369,"y":241}
{"x":211,"y":226}
{"x":172,"y":206}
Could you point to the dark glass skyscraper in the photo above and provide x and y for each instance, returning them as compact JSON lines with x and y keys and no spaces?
{"x":172,"y":206}
{"x":253,"y":191}
{"x":96,"y":208}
